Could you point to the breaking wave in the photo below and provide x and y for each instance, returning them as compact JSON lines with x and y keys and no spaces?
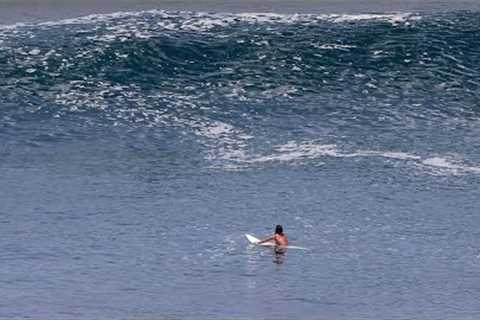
{"x":256,"y":89}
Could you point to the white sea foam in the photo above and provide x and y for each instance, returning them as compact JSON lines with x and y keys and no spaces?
{"x":334,"y":46}
{"x":225,"y":142}
{"x":393,"y":18}
{"x":203,"y":21}
{"x":281,"y":91}
{"x":297,"y":152}
{"x":216,"y":130}
{"x":293,"y":151}
{"x":34,"y":52}
{"x":449,"y":166}
{"x":387,"y":154}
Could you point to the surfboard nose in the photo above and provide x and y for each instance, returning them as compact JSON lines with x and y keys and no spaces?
{"x":251,"y":238}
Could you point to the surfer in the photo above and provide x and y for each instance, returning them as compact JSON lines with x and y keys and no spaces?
{"x":279,"y":237}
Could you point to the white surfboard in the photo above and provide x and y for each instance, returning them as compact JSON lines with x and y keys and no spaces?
{"x":254,"y":240}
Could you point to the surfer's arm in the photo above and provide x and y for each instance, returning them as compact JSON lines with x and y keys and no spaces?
{"x":266,"y":240}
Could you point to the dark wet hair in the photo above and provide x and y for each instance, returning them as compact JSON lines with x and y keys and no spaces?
{"x":278,"y":229}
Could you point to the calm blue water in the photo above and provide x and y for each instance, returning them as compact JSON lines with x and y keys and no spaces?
{"x":136,"y":149}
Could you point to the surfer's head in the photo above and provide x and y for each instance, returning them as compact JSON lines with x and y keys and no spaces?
{"x":278,"y":229}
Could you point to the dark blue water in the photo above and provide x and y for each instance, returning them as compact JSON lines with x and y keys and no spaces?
{"x":136,"y":149}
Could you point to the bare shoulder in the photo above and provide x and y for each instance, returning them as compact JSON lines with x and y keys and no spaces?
{"x":281,"y":239}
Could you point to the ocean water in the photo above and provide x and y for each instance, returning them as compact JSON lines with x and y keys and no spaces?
{"x":137,"y":148}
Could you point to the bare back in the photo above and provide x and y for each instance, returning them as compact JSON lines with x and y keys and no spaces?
{"x":280,"y":239}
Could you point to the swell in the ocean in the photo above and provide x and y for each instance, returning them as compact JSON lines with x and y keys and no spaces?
{"x":254,"y":89}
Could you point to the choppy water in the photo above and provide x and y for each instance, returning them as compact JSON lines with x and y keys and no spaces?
{"x":137,"y":148}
